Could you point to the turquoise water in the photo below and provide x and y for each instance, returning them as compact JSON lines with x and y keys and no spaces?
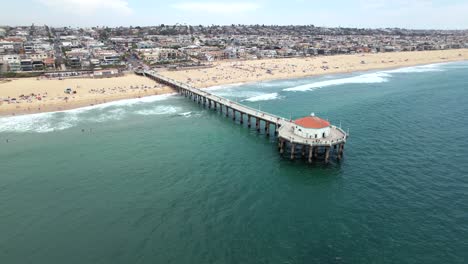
{"x":165,"y":181}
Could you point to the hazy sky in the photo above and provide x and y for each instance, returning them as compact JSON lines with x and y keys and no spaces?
{"x":448,"y":14}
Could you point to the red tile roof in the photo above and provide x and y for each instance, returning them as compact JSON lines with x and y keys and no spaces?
{"x":312,"y":122}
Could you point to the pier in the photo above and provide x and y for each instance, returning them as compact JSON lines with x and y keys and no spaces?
{"x":290,"y":144}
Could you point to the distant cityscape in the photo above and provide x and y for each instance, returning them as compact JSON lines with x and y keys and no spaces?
{"x":101,"y":51}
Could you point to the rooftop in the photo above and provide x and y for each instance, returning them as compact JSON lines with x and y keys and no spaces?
{"x":312,"y":122}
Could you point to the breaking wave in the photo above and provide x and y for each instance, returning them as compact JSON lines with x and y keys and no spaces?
{"x":186,"y":114}
{"x":417,"y":69}
{"x":263,"y":97}
{"x":377,"y":77}
{"x":56,"y":121}
{"x":159,"y":110}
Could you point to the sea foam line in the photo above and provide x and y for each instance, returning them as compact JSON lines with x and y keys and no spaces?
{"x":377,"y":77}
{"x":263,"y":97}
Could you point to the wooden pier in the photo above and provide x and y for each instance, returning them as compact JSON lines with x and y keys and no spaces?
{"x":289,"y":143}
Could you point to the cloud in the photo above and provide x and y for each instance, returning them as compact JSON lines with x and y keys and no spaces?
{"x":215,"y":7}
{"x":89,"y":7}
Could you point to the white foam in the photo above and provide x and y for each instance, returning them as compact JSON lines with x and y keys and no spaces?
{"x":222,"y":87}
{"x":124,"y":102}
{"x":417,"y":69}
{"x":159,"y":110}
{"x":263,"y":97}
{"x":115,"y":114}
{"x":40,"y":123}
{"x":55,"y":121}
{"x":186,"y":114}
{"x":377,"y":77}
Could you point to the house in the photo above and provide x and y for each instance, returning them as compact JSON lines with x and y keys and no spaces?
{"x":49,"y":63}
{"x":26,"y":65}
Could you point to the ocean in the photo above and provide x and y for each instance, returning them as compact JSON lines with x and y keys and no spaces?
{"x":162,"y":180}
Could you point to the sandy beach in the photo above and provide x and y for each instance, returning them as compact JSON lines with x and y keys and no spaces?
{"x":229,"y":72}
{"x":33,"y":95}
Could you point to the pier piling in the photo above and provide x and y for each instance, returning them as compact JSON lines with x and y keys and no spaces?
{"x":293,"y":148}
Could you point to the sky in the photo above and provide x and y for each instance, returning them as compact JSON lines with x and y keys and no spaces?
{"x":414,"y":14}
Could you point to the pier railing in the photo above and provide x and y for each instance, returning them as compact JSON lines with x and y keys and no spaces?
{"x":257,"y":113}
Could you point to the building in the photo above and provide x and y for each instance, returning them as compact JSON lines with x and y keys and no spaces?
{"x":107,"y":57}
{"x":106,"y":73}
{"x":74,"y":62}
{"x":38,"y":65}
{"x":49,"y":63}
{"x":14,"y":65}
{"x":312,"y":127}
{"x":27,"y":65}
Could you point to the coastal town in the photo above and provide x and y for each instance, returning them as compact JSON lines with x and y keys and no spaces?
{"x":102,"y":51}
{"x":44,"y":69}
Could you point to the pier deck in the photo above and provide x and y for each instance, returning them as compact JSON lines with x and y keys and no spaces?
{"x":284,"y":128}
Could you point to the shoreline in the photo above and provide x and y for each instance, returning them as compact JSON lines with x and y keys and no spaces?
{"x":227,"y":85}
{"x":91,"y":100}
{"x":311,"y":67}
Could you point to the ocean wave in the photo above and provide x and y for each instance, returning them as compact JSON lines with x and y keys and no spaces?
{"x":263,"y":97}
{"x":418,"y":69}
{"x":40,"y":123}
{"x":186,"y":114}
{"x":377,"y":77}
{"x":56,"y":121}
{"x":159,"y":110}
{"x":125,"y":102}
{"x":111,"y":115}
{"x":222,"y":87}
{"x":237,"y":93}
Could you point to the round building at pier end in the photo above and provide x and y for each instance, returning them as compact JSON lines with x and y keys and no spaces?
{"x":312,"y":127}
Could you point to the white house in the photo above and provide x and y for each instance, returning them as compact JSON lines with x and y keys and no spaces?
{"x":312,"y":127}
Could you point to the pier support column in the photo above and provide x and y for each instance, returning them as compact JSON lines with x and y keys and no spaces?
{"x":281,"y":145}
{"x":241,"y":118}
{"x":249,"y":121}
{"x":315,"y":152}
{"x":227,"y":111}
{"x":233,"y":114}
{"x":310,"y":153}
{"x":267,"y":128}
{"x":293,"y":148}
{"x":340,"y":151}
{"x":215,"y":106}
{"x":327,"y":154}
{"x":257,"y":124}
{"x":303,"y":150}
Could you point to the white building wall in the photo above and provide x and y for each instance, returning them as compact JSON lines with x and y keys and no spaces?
{"x":310,"y":133}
